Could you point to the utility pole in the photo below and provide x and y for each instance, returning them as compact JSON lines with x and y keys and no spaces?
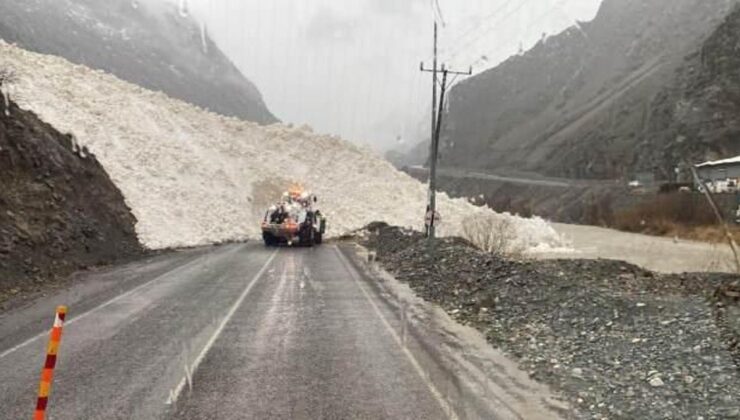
{"x":431,"y":204}
{"x":437,"y":116}
{"x":434,"y":157}
{"x":434,"y":92}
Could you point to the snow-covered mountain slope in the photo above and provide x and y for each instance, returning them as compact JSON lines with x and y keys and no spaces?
{"x":151,"y":43}
{"x":193,"y":177}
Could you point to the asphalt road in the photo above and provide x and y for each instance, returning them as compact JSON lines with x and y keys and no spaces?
{"x":244,"y":332}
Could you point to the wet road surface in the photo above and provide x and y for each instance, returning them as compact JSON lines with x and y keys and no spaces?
{"x":236,"y":332}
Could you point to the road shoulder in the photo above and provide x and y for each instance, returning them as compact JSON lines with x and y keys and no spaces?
{"x":477,"y":380}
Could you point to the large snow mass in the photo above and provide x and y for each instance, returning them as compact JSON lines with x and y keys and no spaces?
{"x":193,"y":177}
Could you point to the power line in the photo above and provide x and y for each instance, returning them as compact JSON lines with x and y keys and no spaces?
{"x":456,"y":53}
{"x":437,"y":10}
{"x":473,"y":29}
{"x":530,"y":26}
{"x":486,"y":21}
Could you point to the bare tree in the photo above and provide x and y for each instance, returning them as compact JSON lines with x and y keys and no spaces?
{"x":7,"y":77}
{"x":493,"y":234}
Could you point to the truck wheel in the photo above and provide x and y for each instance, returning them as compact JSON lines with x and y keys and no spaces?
{"x":307,"y":237}
{"x":318,"y":238}
{"x":269,"y":239}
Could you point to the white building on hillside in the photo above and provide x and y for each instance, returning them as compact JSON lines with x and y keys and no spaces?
{"x":721,"y":176}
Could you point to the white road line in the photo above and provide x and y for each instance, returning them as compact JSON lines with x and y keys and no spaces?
{"x":103,"y":305}
{"x":174,"y":395}
{"x":415,"y":363}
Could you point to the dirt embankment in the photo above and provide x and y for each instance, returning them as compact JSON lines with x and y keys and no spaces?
{"x":59,"y":210}
{"x":618,"y":341}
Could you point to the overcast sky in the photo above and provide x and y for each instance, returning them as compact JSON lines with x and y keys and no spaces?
{"x":350,"y":67}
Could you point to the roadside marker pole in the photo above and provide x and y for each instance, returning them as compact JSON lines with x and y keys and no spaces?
{"x":47,"y":373}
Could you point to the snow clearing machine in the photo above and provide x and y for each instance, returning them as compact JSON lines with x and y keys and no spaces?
{"x":294,"y":220}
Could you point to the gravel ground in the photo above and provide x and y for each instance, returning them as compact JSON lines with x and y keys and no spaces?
{"x":616,"y":340}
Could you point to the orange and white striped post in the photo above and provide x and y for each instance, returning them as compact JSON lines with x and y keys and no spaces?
{"x":51,"y":360}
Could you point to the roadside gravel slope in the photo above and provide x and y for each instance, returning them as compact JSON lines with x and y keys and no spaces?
{"x":618,"y":341}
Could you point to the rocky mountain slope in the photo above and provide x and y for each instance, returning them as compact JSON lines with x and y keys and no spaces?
{"x":59,"y":211}
{"x":633,"y":90}
{"x":149,"y":43}
{"x":698,"y":115}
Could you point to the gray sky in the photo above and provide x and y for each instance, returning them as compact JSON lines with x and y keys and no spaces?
{"x":350,"y":67}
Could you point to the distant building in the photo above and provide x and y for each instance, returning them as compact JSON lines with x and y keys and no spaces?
{"x":720,"y":170}
{"x":721,"y":176}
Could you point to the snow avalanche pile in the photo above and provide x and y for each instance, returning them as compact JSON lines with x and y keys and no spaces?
{"x":193,"y":177}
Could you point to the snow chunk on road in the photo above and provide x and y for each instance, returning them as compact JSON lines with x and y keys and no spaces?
{"x":192,"y":177}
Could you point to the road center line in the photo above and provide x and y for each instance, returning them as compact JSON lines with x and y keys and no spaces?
{"x":174,"y":395}
{"x":415,"y":363}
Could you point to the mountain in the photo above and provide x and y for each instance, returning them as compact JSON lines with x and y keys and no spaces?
{"x":699,"y":113}
{"x":641,"y":87}
{"x":150,"y":43}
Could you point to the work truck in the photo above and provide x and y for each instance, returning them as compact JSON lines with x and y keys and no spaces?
{"x":294,"y":221}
